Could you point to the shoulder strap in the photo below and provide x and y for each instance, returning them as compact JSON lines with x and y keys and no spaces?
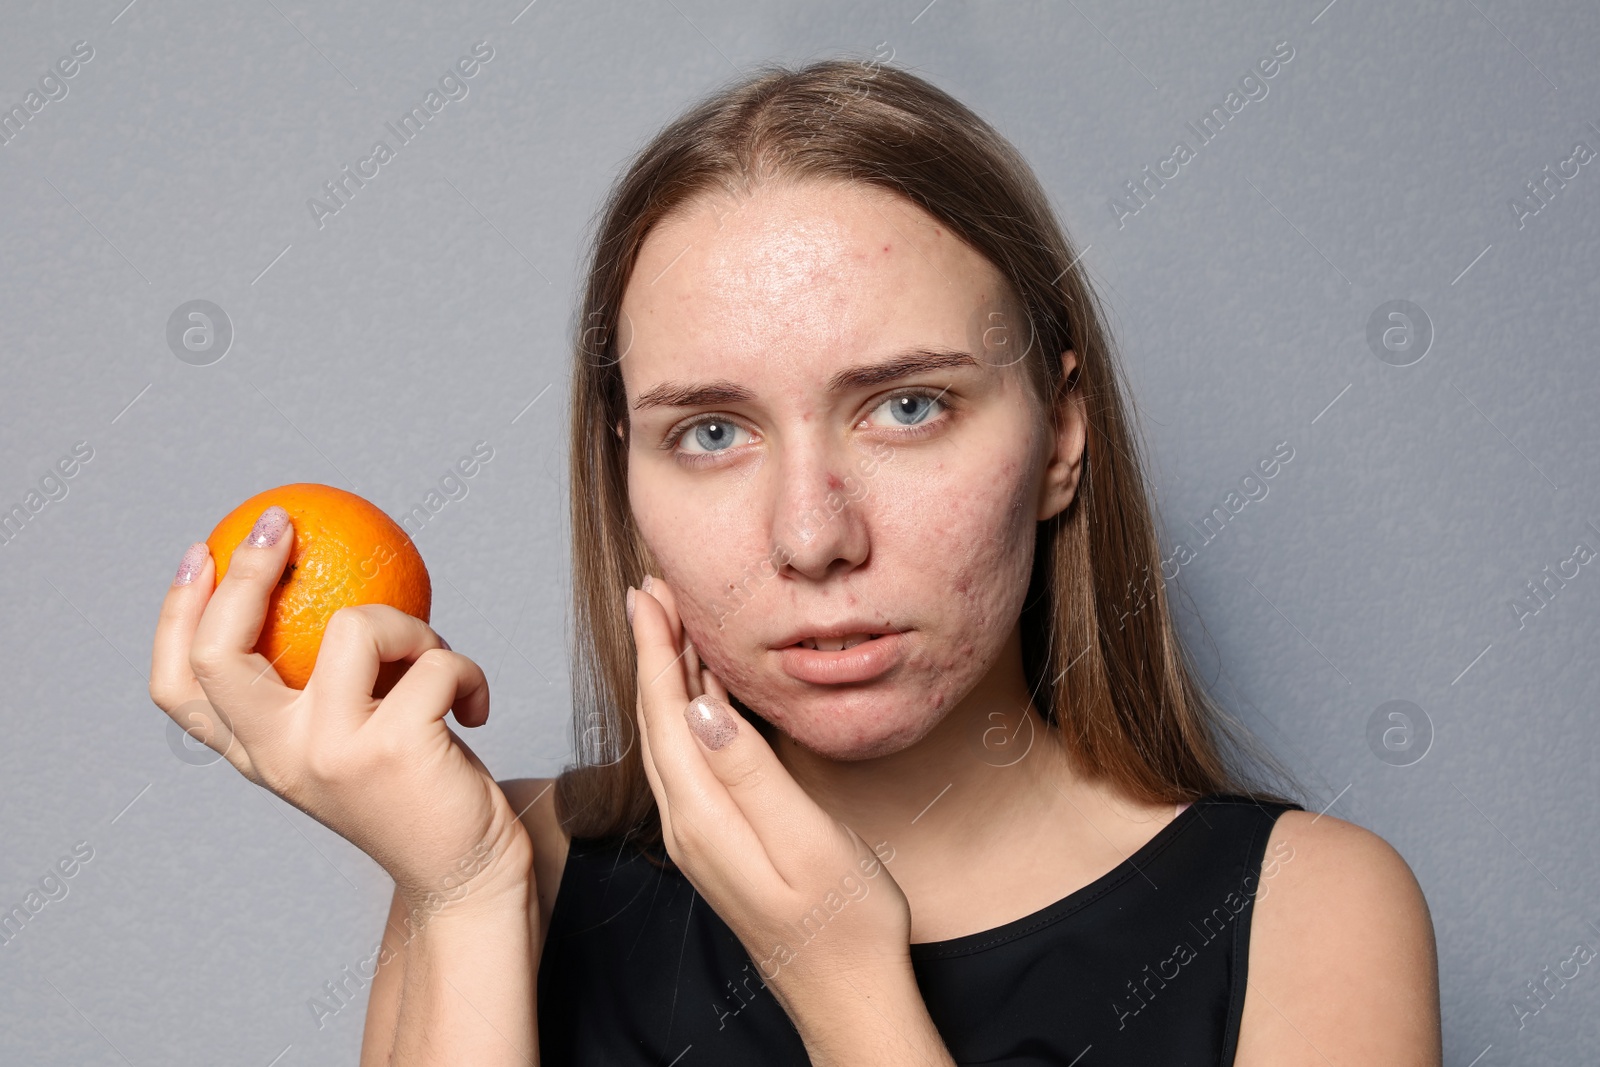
{"x":1265,"y":817}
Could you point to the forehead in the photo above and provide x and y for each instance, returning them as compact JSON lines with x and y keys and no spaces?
{"x":795,"y":277}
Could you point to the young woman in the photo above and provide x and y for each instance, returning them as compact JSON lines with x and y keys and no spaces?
{"x":889,"y":752}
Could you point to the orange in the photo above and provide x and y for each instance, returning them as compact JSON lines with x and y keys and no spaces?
{"x":346,"y":551}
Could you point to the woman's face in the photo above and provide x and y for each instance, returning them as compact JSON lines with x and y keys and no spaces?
{"x":784,"y":490}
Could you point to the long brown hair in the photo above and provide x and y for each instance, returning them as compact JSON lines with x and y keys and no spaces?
{"x":1100,"y":650}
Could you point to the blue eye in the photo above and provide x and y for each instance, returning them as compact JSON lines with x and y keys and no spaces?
{"x":911,"y":408}
{"x":711,"y":435}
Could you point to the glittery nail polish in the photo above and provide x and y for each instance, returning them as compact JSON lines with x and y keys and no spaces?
{"x":194,"y":560}
{"x":712,"y":722}
{"x":268,"y":528}
{"x":644,"y":586}
{"x":630,"y":599}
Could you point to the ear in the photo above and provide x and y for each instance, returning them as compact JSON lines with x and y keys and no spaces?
{"x":1068,"y":434}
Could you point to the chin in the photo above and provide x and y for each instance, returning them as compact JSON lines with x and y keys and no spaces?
{"x":851,"y":725}
{"x":848,"y":723}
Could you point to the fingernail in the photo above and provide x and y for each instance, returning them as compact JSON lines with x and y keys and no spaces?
{"x":193,"y":560}
{"x":268,"y":528}
{"x":630,"y":604}
{"x":645,"y":585}
{"x":712,"y":722}
{"x":446,"y":644}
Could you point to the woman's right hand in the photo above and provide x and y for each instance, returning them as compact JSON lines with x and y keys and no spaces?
{"x":386,"y":774}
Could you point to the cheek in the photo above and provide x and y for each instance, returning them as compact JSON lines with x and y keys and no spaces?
{"x":973,"y":555}
{"x":707,"y":551}
{"x":952,"y":554}
{"x":972,"y":569}
{"x":725,"y":648}
{"x":721,"y":573}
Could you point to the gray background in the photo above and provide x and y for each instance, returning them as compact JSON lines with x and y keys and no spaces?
{"x":434,"y":310}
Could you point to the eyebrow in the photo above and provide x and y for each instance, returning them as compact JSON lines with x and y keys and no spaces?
{"x":722,"y":391}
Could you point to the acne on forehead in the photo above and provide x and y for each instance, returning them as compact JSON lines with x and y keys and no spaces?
{"x":798,"y":236}
{"x":788,"y":249}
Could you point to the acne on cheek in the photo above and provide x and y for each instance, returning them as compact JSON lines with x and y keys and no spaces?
{"x":973,"y":598}
{"x":991,"y":578}
{"x":720,"y":651}
{"x":701,"y":628}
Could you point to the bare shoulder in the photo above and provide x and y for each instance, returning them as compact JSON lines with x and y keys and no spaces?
{"x":534,"y":801}
{"x":1343,"y":965}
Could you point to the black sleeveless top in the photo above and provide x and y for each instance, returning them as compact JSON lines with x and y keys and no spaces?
{"x":1145,"y":964}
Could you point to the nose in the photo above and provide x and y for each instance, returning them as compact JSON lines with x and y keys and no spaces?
{"x":817,"y":518}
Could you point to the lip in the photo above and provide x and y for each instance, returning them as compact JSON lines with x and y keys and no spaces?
{"x":864,"y":662}
{"x":843,"y":628}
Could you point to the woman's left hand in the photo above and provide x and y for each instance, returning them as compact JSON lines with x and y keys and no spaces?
{"x":815,"y":907}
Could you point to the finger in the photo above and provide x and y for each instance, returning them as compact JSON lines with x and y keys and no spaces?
{"x":437,"y":682}
{"x":663,"y":805}
{"x":753,"y":789}
{"x":748,"y":786}
{"x":680,"y":642}
{"x":683,"y":779}
{"x":660,"y":685}
{"x":664,"y":596}
{"x":713,"y":685}
{"x":172,"y":681}
{"x":692,"y":672}
{"x":173,"y":685}
{"x":356,"y":643}
{"x":663,"y":689}
{"x":223,"y":655}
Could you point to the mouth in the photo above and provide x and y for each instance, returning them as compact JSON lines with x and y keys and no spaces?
{"x":844,"y":659}
{"x":834,"y":644}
